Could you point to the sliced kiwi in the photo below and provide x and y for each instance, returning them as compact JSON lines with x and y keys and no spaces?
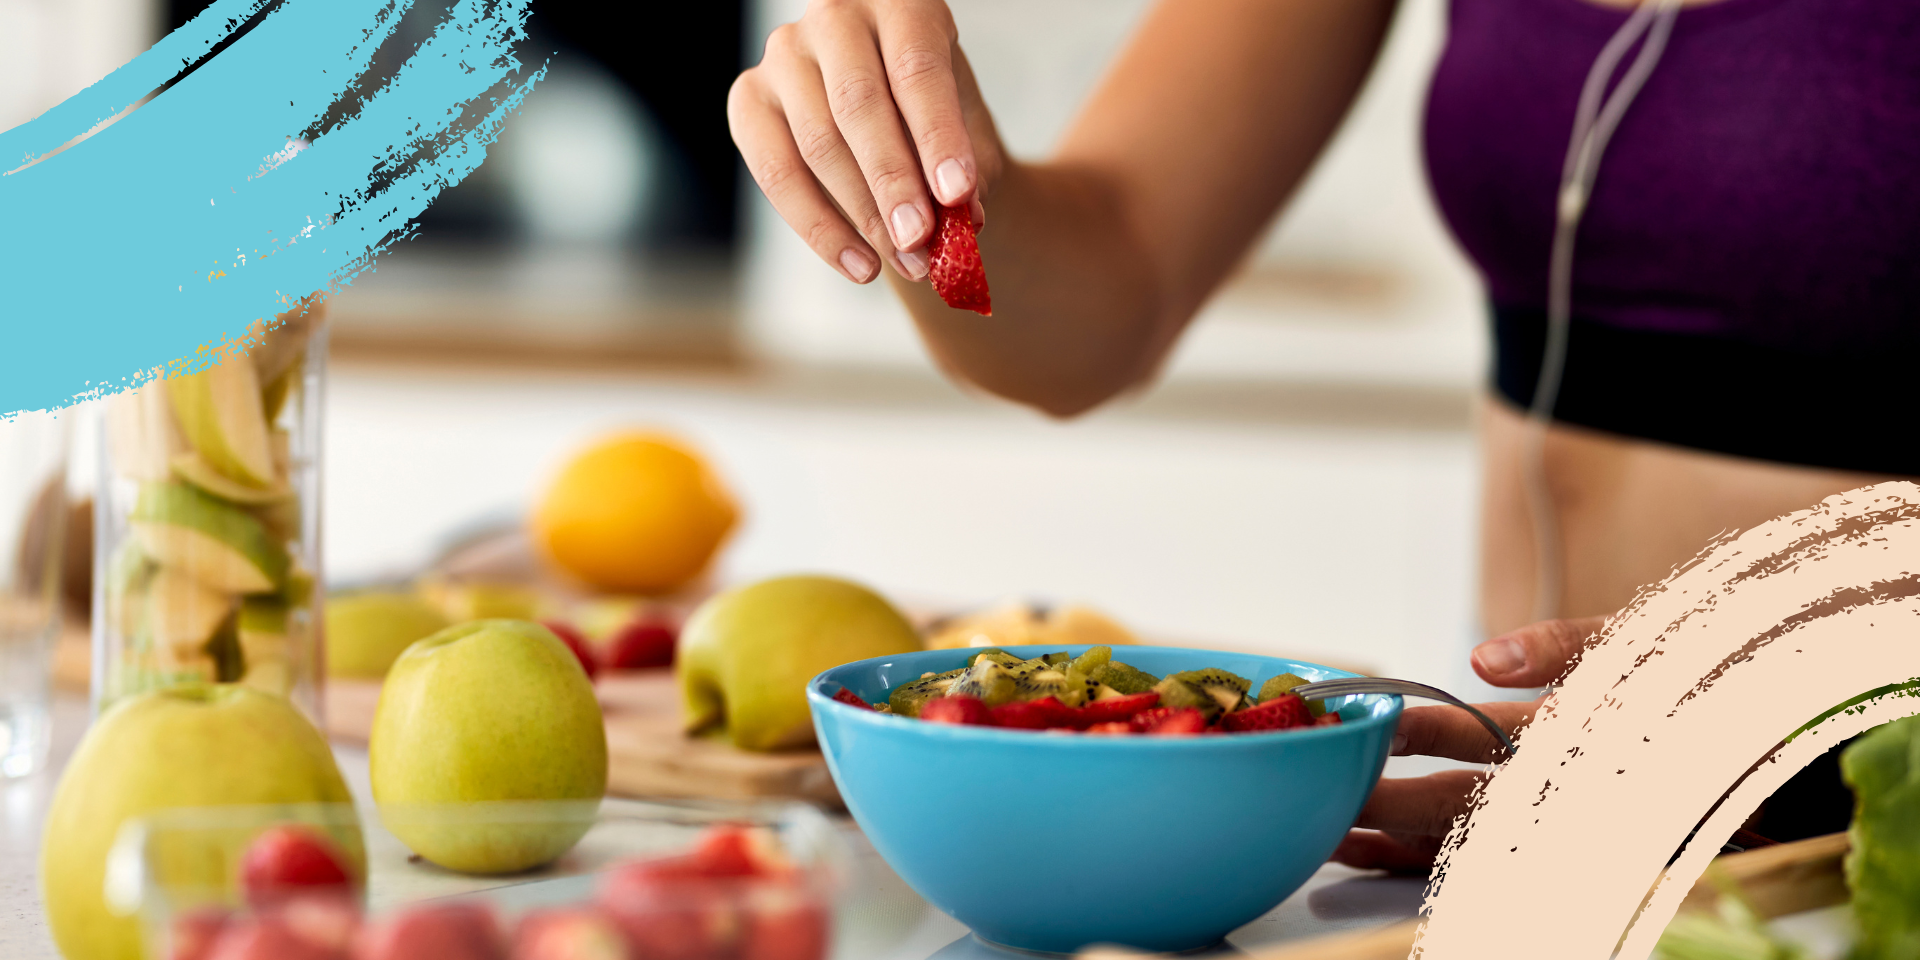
{"x":1040,"y":683}
{"x":907,"y":698}
{"x":1227,"y":689}
{"x":1078,"y":687}
{"x":1095,"y":656}
{"x":1283,"y":684}
{"x":1123,"y":678}
{"x":986,"y":680}
{"x":996,"y":655}
{"x":1175,"y":692}
{"x":1057,"y":659}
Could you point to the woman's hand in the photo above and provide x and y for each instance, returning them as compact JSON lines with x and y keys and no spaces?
{"x":861,"y":116}
{"x":1404,"y":821}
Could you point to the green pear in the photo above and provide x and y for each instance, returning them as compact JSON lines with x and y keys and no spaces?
{"x":189,"y":746}
{"x":367,"y":631}
{"x":220,"y":411}
{"x":217,"y":543}
{"x":489,"y":710}
{"x":746,"y":655}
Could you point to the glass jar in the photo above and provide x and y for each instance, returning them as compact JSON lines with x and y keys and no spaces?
{"x":207,"y":522}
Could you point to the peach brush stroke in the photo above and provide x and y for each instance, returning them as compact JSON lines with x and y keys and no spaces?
{"x":1691,"y":692}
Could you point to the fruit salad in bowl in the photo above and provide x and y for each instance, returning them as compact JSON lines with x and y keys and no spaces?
{"x":1038,"y":832}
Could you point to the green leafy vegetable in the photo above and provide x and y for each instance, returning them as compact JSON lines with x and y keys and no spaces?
{"x":1883,"y":868}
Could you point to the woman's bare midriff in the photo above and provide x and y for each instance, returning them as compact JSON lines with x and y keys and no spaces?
{"x":1630,"y":511}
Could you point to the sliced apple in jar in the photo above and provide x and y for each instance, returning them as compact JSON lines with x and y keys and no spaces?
{"x":220,"y":411}
{"x":182,"y":612}
{"x":194,"y":469}
{"x":142,"y":434}
{"x":217,"y":543}
{"x":264,"y":645}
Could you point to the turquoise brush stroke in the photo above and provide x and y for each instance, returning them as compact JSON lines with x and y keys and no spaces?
{"x":197,"y":212}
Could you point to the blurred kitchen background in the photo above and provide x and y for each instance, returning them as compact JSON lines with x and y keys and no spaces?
{"x":1302,"y":480}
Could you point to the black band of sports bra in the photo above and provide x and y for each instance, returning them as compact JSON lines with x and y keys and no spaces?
{"x":1854,"y":412}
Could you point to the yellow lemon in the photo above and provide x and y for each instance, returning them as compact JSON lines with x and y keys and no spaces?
{"x":636,"y":513}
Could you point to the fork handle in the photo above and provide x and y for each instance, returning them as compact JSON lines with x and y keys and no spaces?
{"x":1347,"y":686}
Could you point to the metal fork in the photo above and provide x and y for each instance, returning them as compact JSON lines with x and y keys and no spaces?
{"x":1347,"y":686}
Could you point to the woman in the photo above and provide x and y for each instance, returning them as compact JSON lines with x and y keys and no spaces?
{"x":1744,"y":276}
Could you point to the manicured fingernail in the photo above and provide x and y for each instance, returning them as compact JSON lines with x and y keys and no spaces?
{"x":916,"y":264}
{"x":907,"y":223}
{"x":857,"y":265}
{"x":1399,"y":744}
{"x":1500,"y":657}
{"x":953,"y":181}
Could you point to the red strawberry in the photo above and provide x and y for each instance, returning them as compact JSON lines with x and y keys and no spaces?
{"x":1117,"y":726}
{"x":1169,"y":720}
{"x":1042,"y":714}
{"x":642,"y":643}
{"x":1327,"y":720}
{"x":851,"y":699}
{"x":955,"y":269}
{"x":194,"y":932}
{"x":568,"y":933}
{"x":576,"y":643}
{"x":958,"y":709}
{"x":737,"y":850}
{"x":1117,"y":708}
{"x":290,"y":859}
{"x":1279,"y":713}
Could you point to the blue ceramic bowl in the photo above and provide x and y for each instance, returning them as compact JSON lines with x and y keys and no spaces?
{"x":1049,"y":842}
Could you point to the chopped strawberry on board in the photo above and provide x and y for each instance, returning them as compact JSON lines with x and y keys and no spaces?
{"x":1118,"y":708}
{"x":642,"y":643}
{"x":851,"y":699}
{"x":955,"y":269}
{"x":958,"y":709}
{"x":1280,"y":713}
{"x":1042,"y":714}
{"x":577,"y":643}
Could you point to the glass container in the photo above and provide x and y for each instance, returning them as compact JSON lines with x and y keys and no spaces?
{"x":207,"y":522}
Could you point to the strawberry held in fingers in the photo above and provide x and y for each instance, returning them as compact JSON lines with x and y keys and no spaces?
{"x":954,"y":266}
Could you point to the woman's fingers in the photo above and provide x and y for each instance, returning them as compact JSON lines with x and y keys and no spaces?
{"x":766,"y":143}
{"x":1453,"y":733}
{"x":860,"y":96}
{"x":1375,"y":850}
{"x":1422,"y":806}
{"x":917,"y":47}
{"x":1535,"y":655}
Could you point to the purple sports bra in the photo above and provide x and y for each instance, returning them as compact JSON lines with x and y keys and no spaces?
{"x":1749,"y":264}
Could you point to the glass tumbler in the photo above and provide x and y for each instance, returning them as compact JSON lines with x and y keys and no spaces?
{"x":207,"y":523}
{"x":33,"y":458}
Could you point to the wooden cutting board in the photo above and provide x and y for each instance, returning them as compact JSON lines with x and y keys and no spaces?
{"x":647,"y":754}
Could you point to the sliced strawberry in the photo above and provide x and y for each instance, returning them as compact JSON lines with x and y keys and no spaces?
{"x":1042,"y":714}
{"x":851,"y":699}
{"x":1118,"y":708}
{"x":1117,"y":726}
{"x":1169,"y":720}
{"x":957,"y":709}
{"x":955,"y":269}
{"x":1279,"y":713}
{"x":577,"y":643}
{"x":289,"y":859}
{"x":1328,"y":719}
{"x":642,"y":643}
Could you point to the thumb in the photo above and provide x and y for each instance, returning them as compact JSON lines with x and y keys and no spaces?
{"x":1536,"y":654}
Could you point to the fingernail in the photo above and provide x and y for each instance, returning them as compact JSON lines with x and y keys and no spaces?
{"x":857,"y":265}
{"x":952,"y":180}
{"x":916,"y":264}
{"x":907,"y":223}
{"x":1399,"y":744}
{"x":1500,"y":657}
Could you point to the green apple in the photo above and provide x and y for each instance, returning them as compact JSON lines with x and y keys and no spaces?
{"x":217,"y":543}
{"x":746,"y":655}
{"x":367,"y":631}
{"x":189,"y":746}
{"x":490,"y":710}
{"x":220,"y":410}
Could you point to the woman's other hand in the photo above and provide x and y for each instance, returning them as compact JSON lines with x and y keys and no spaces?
{"x":859,"y":118}
{"x":1405,"y":820}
